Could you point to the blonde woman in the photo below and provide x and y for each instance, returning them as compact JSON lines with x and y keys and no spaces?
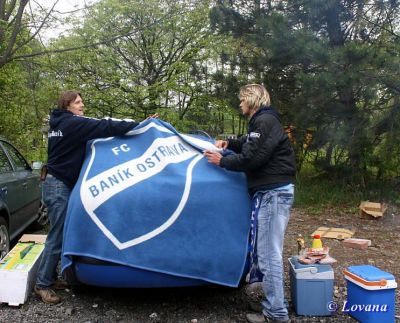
{"x":267,"y":158}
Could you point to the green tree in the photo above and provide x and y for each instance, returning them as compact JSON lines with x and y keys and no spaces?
{"x":24,"y":97}
{"x":154,"y":56}
{"x":329,"y":66}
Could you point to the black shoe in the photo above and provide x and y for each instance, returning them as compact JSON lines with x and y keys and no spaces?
{"x":255,"y":318}
{"x":255,"y":306}
{"x":261,"y":318}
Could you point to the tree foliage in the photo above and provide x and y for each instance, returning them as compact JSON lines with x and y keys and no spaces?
{"x":157,"y":59}
{"x":331,"y":67}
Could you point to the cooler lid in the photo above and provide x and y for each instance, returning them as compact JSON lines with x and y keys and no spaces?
{"x":313,"y":268}
{"x":370,"y":273}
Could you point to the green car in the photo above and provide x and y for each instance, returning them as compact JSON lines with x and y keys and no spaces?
{"x":20,"y":195}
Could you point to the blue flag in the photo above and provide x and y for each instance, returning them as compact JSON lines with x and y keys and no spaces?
{"x":151,"y":200}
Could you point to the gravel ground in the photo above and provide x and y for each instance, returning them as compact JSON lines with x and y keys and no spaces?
{"x":218,"y":304}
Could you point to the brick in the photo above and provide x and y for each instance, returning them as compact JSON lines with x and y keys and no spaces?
{"x":356,"y":243}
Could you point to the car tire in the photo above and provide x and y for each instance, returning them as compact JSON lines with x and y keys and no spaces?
{"x":4,"y":238}
{"x":42,"y":219}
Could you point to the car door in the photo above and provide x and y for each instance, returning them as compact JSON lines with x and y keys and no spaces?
{"x":8,"y":189}
{"x":25,"y":188}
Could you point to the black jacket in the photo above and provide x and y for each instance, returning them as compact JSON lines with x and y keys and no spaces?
{"x":265,"y":154}
{"x":67,"y":139}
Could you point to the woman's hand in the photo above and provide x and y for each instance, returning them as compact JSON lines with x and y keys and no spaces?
{"x":221,"y":144}
{"x":213,"y":157}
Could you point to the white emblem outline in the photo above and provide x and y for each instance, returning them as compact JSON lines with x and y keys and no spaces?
{"x":175,"y":215}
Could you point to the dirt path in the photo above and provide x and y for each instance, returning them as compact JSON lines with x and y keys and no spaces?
{"x":223,"y":305}
{"x":383,"y":253}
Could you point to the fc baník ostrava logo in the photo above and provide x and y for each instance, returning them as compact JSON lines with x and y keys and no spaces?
{"x":146,"y":176}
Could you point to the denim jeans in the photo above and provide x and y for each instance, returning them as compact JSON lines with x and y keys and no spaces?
{"x":273,"y":218}
{"x":55,"y":196}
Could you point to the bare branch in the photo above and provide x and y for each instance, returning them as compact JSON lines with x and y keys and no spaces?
{"x":37,"y":29}
{"x":11,"y":9}
{"x":92,"y":45}
{"x":2,"y":9}
{"x":17,"y":28}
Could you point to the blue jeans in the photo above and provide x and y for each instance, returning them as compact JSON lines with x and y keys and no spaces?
{"x":273,"y":218}
{"x":55,"y":196}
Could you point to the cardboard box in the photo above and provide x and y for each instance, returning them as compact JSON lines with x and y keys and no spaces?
{"x":18,"y":269}
{"x":356,"y":243}
{"x":372,"y":209}
{"x":333,"y":233}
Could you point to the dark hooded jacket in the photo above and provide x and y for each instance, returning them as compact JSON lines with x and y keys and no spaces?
{"x":265,"y":154}
{"x":67,"y":138}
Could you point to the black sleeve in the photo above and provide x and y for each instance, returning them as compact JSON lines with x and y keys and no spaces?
{"x":90,"y":128}
{"x":236,"y":144}
{"x":257,"y":150}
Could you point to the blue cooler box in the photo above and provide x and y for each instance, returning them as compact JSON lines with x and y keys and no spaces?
{"x":370,"y":294}
{"x":311,"y":288}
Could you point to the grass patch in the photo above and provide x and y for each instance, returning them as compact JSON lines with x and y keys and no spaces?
{"x":316,"y":193}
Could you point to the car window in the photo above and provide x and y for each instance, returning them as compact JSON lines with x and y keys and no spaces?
{"x":5,"y":166}
{"x":19,"y":161}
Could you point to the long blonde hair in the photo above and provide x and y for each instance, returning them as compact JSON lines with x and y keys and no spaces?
{"x":255,"y":95}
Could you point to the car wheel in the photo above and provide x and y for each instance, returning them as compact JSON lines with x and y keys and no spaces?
{"x":42,"y":219}
{"x":4,"y":238}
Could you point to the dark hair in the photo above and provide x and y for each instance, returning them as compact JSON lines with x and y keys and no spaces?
{"x":66,"y":98}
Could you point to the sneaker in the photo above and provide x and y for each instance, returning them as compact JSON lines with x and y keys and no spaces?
{"x":59,"y":284}
{"x":261,"y":318}
{"x":47,"y":295}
